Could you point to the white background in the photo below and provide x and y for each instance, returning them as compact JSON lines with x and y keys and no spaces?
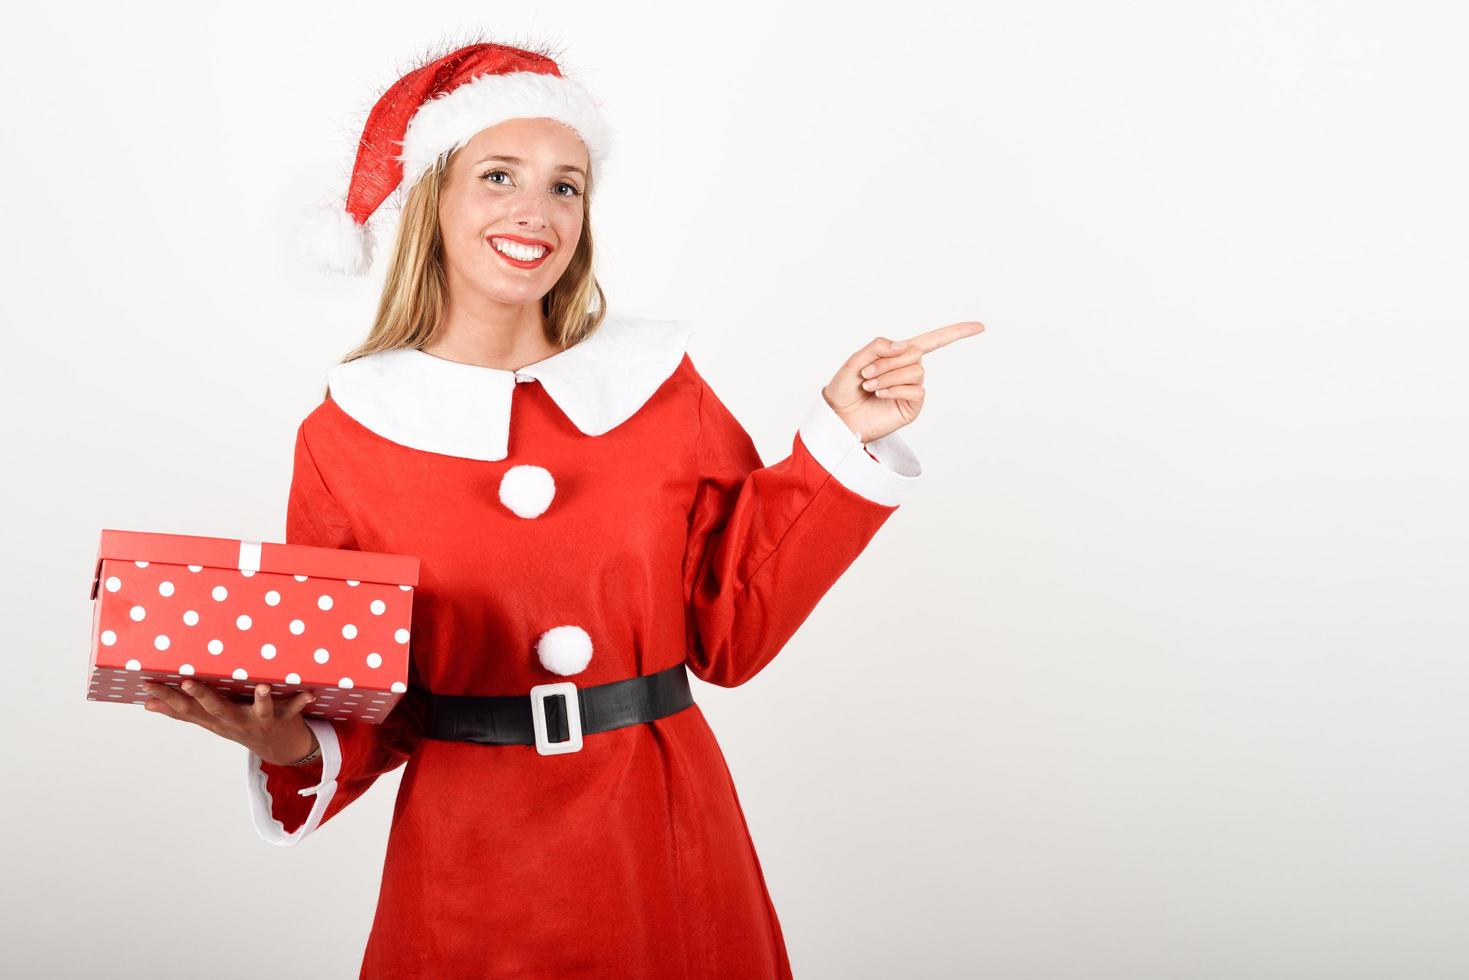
{"x":1161,"y":672}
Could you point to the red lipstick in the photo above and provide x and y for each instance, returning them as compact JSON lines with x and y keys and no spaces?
{"x":520,"y":263}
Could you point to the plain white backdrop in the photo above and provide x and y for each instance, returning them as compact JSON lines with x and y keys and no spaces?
{"x":1162,"y":671}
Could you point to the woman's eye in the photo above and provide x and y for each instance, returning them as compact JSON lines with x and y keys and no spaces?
{"x":575,"y":192}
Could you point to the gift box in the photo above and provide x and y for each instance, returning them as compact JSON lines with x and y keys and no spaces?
{"x":236,"y":613}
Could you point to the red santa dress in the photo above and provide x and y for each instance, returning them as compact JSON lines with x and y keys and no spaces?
{"x":608,"y":489}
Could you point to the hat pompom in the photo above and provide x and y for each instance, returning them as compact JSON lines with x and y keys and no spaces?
{"x":334,"y":240}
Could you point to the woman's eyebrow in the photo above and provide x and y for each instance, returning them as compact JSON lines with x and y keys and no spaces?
{"x":564,"y":166}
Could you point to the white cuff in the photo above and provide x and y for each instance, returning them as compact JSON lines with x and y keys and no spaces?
{"x":266,"y":825}
{"x":888,"y":479}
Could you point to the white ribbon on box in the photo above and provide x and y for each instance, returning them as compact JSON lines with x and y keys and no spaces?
{"x":249,"y":556}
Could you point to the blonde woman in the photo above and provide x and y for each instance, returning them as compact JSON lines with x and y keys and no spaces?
{"x":592,"y":524}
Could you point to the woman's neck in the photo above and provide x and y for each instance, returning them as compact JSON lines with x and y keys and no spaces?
{"x":507,"y":346}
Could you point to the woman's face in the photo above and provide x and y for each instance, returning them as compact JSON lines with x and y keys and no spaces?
{"x":520,"y":182}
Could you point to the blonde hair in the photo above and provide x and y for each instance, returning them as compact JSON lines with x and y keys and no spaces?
{"x":412,"y":304}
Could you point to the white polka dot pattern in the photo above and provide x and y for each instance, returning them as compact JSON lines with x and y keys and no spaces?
{"x":347,"y":640}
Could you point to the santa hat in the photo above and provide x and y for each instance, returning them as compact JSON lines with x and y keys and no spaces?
{"x":436,"y":107}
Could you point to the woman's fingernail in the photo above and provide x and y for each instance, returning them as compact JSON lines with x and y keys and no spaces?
{"x":187,"y":685}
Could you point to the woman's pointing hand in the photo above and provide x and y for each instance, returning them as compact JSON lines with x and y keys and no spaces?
{"x":880,"y":388}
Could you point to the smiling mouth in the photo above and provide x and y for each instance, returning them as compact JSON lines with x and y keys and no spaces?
{"x":518,"y":253}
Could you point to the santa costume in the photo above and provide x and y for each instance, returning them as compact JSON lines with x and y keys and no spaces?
{"x":596,"y":518}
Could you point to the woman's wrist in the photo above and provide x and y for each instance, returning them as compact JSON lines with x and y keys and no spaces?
{"x":311,"y":756}
{"x":301,"y":750}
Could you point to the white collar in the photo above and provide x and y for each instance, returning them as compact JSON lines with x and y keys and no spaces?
{"x":422,"y":401}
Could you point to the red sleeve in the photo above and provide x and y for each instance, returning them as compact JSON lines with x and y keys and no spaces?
{"x":767,"y":542}
{"x":289,"y":802}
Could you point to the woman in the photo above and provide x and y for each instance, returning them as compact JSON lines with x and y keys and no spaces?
{"x":592,"y":523}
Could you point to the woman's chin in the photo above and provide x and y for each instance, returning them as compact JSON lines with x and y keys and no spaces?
{"x":518,"y":294}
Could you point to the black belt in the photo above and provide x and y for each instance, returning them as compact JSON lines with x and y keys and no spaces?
{"x":553,"y":717}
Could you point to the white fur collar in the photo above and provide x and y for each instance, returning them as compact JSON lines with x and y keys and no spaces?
{"x":425,"y":402}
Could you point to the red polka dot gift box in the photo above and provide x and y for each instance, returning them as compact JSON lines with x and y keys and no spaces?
{"x":235,"y":613}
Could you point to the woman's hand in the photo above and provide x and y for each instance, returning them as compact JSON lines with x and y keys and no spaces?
{"x":880,"y":388}
{"x":278,"y":735}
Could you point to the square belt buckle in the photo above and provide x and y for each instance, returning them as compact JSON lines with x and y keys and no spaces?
{"x":538,"y":696}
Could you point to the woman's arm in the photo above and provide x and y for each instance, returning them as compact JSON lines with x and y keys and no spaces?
{"x":767,"y":542}
{"x":289,"y":802}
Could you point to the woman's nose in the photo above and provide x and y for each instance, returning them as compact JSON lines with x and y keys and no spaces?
{"x":529,"y":215}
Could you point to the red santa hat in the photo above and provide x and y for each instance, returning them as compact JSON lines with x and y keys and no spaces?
{"x":440,"y":106}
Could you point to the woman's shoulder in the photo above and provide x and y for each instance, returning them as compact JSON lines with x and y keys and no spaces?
{"x":322,"y":426}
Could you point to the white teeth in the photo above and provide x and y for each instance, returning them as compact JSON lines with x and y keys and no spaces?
{"x":526,"y":253}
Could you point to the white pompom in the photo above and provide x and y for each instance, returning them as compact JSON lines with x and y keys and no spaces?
{"x":527,"y":490}
{"x":332,"y":238}
{"x":565,"y":650}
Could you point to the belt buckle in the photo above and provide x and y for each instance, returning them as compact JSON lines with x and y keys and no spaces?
{"x":538,"y":695}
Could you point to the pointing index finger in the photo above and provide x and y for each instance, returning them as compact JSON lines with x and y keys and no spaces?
{"x":943,"y":336}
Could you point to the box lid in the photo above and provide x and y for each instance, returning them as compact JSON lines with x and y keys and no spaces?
{"x":263,"y":556}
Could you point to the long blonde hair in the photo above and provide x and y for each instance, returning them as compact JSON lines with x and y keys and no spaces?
{"x":412,"y":304}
